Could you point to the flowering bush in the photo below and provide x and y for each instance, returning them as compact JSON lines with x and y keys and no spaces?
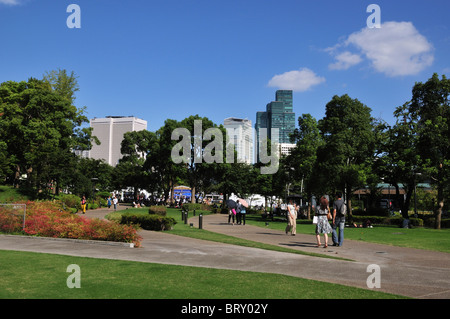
{"x":48,"y":220}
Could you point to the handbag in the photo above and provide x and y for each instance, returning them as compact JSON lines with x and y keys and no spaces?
{"x":315,"y":220}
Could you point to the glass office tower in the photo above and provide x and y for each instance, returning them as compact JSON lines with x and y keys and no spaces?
{"x":279,"y":114}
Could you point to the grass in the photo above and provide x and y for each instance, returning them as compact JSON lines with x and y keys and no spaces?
{"x":9,"y":194}
{"x":27,"y":275}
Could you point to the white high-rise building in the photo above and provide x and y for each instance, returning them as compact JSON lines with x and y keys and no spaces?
{"x":240,"y":132}
{"x":110,"y":131}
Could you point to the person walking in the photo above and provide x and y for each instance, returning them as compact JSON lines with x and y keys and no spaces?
{"x":238,"y":212}
{"x":231,"y":214}
{"x":108,"y":202}
{"x":115,"y":202}
{"x":292,"y":219}
{"x":83,"y":205}
{"x":323,"y":226}
{"x":243,"y":212}
{"x":339,"y":211}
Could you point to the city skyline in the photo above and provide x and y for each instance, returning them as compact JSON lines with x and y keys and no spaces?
{"x":222,"y":59}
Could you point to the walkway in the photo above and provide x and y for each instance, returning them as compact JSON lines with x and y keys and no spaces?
{"x":409,"y":272}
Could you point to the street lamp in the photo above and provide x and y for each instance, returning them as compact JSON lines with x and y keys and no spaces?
{"x":94,"y":180}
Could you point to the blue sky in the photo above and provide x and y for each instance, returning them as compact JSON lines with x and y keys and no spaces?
{"x":174,"y":58}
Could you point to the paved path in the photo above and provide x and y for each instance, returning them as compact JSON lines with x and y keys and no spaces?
{"x":410,"y":272}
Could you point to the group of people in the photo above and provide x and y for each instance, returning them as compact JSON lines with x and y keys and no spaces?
{"x":237,"y":213}
{"x":327,"y":221}
{"x":336,"y":217}
{"x":109,"y":201}
{"x":114,"y":201}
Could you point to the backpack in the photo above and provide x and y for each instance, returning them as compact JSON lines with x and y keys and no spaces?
{"x":343,"y":209}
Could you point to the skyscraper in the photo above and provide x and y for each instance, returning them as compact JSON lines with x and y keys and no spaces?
{"x":279,"y":114}
{"x":110,"y":131}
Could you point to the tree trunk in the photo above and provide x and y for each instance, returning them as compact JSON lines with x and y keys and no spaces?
{"x":437,"y":220}
{"x":193,"y":194}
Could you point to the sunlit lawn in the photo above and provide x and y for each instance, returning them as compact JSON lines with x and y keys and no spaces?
{"x":26,"y":275}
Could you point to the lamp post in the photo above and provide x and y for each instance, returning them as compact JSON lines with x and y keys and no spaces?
{"x":94,"y":180}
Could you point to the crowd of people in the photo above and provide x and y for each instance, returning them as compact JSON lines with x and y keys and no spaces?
{"x":327,"y":220}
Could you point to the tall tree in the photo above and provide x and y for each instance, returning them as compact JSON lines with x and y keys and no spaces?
{"x":348,"y":152}
{"x":303,"y":157}
{"x":402,"y":162}
{"x":430,"y":107}
{"x":197,"y":168}
{"x":39,"y":129}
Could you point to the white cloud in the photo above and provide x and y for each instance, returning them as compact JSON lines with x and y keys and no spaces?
{"x":10,"y":2}
{"x":297,"y":80}
{"x":345,"y":60}
{"x":395,"y":49}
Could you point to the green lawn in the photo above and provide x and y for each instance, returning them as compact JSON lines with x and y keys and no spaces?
{"x":26,"y":275}
{"x":11,"y":195}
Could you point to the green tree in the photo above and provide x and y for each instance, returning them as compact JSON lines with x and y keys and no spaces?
{"x":198,"y":171}
{"x":346,"y":158}
{"x":136,"y":147}
{"x":303,"y":158}
{"x":402,"y":162}
{"x":430,"y":107}
{"x":40,"y":127}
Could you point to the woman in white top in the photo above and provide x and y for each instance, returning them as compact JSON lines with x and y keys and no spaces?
{"x":323,"y":226}
{"x":292,"y":219}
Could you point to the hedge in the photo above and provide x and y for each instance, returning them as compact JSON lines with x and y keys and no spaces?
{"x":157,"y":210}
{"x":149,"y":222}
{"x":380,"y":220}
{"x":197,"y":206}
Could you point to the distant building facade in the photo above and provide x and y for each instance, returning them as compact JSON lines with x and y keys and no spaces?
{"x":240,"y":133}
{"x":110,"y":131}
{"x":279,"y":115}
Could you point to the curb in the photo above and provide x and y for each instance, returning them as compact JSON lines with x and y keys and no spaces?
{"x":80,"y":241}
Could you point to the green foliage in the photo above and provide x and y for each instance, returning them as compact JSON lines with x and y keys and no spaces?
{"x":39,"y":129}
{"x":389,"y":221}
{"x":157,"y":210}
{"x":148,"y":222}
{"x":70,"y":200}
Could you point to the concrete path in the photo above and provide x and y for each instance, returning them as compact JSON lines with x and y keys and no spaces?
{"x":409,"y":272}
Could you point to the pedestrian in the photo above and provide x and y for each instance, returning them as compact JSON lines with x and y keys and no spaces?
{"x":323,"y":226}
{"x":238,"y":213}
{"x":83,"y":205}
{"x":115,"y":201}
{"x":231,"y":215}
{"x":292,"y":219}
{"x":339,"y":211}
{"x":243,"y":212}
{"x":108,"y":202}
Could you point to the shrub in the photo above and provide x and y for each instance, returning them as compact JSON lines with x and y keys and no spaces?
{"x":379,"y":220}
{"x":445,"y":222}
{"x":70,"y":200}
{"x":157,"y":210}
{"x":46,"y":219}
{"x":196,"y":206}
{"x":149,"y":222}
